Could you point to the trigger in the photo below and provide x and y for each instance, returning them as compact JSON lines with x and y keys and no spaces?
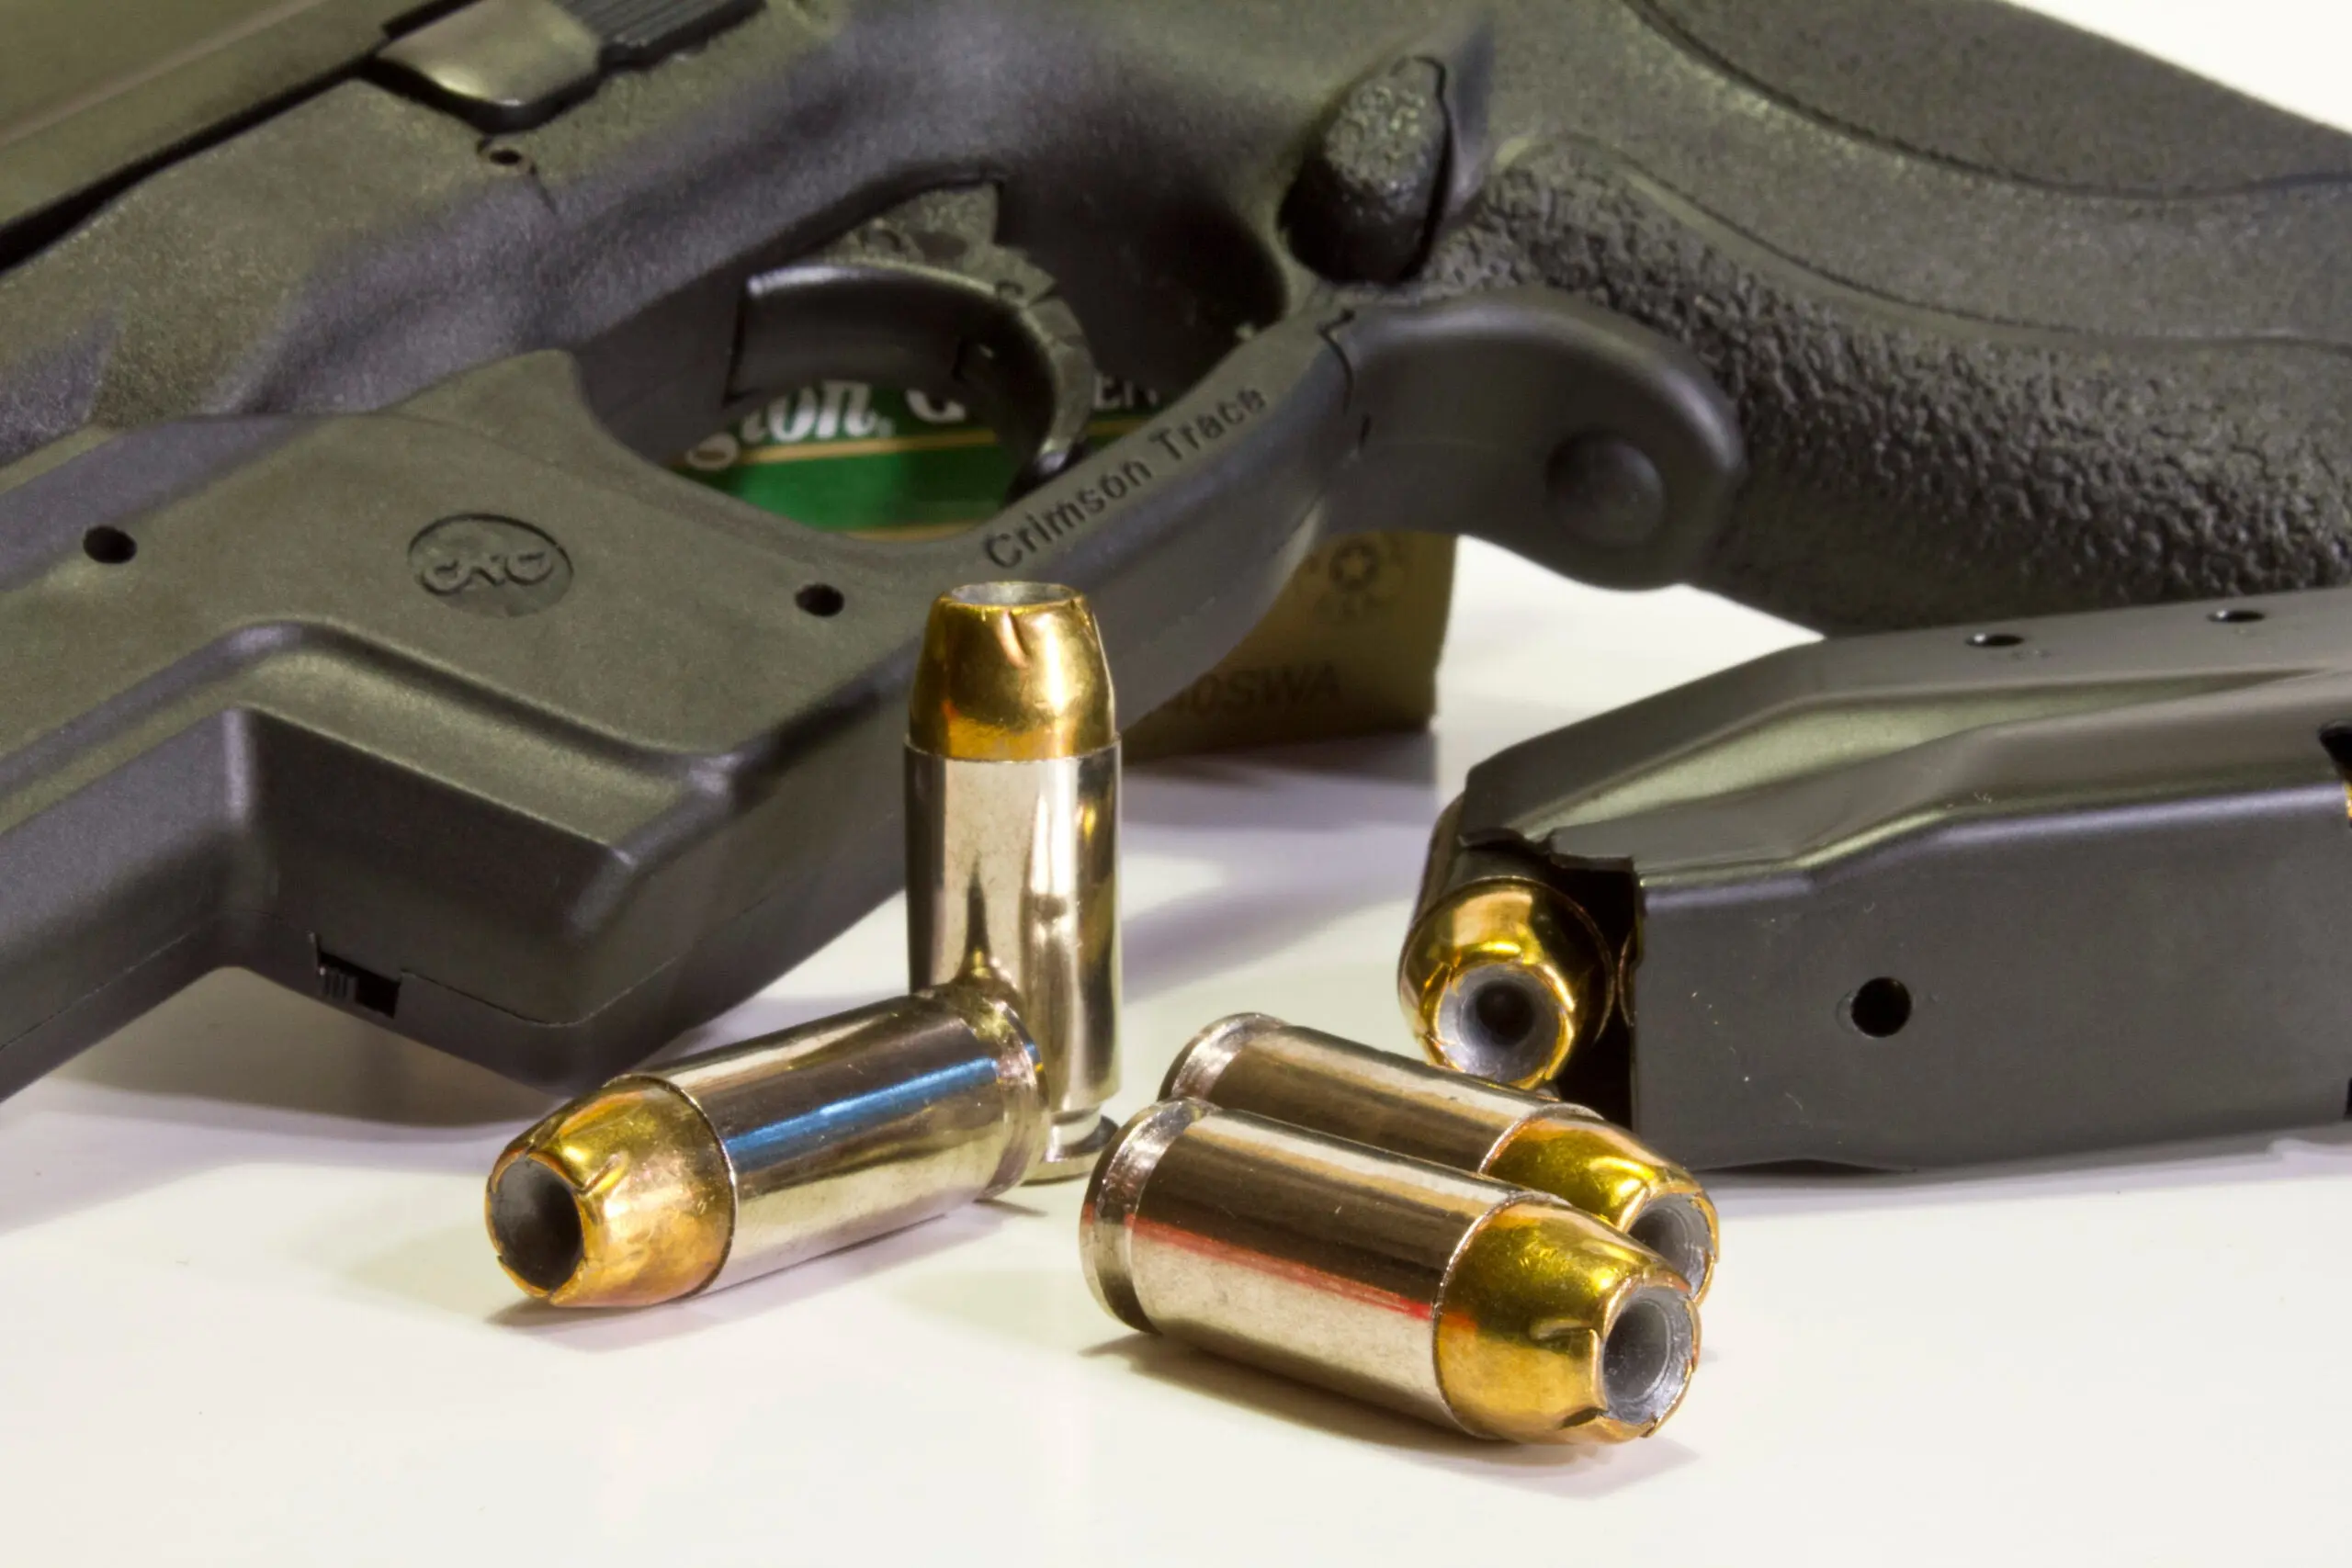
{"x":923,"y":298}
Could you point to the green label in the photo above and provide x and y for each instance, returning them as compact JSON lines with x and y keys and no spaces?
{"x":847,"y":457}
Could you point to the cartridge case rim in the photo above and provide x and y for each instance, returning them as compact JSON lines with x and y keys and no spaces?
{"x":1204,"y":1058}
{"x":1072,"y":1148}
{"x":1112,"y":1196}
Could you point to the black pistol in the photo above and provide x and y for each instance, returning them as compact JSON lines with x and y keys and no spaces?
{"x":355,"y":634}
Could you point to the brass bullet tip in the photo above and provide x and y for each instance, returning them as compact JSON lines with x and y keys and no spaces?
{"x":1504,"y":979}
{"x":1553,"y":1328}
{"x":621,"y":1198}
{"x":1012,"y":672}
{"x":1605,"y":1171}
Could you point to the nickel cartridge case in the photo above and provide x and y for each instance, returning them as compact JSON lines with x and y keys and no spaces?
{"x":732,"y":1164}
{"x":1476,"y":1306}
{"x":1012,"y":827}
{"x":1327,"y":1085}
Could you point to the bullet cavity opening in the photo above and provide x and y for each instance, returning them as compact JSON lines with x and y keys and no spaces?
{"x":1498,"y":1021}
{"x":1010,"y":595}
{"x":536,"y":1225}
{"x":1673,"y":1227}
{"x":1645,"y":1360}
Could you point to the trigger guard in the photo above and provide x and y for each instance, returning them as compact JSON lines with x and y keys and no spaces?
{"x":936,"y":313}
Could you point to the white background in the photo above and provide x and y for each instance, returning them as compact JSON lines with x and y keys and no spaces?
{"x":247,"y":1314}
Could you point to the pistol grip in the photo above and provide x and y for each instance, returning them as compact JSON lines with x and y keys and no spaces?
{"x":2017,"y":320}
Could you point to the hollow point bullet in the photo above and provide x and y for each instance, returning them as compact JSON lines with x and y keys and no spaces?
{"x":1481,"y":1307}
{"x":1504,"y":979}
{"x":1013,"y":821}
{"x":735,"y":1164}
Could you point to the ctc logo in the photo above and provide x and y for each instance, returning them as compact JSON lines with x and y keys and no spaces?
{"x":491,"y":566}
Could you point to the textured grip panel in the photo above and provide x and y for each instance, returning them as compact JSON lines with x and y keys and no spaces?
{"x":1997,"y":88}
{"x":1912,"y":465}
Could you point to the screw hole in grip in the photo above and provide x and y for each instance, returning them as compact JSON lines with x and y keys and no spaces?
{"x":1881,"y":1008}
{"x":2236,"y":617}
{"x":110,"y":546}
{"x":820,"y":599}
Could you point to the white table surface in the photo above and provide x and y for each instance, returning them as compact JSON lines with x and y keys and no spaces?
{"x":247,"y":1314}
